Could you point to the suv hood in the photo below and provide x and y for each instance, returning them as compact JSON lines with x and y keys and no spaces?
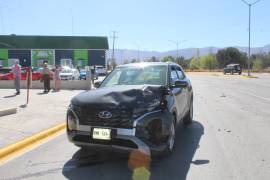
{"x":120,"y":97}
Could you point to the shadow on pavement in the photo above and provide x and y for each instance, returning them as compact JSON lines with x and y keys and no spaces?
{"x":23,"y":106}
{"x":11,"y":96}
{"x":110,"y":165}
{"x":41,"y":93}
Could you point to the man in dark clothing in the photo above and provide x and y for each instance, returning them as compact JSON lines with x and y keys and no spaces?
{"x":46,"y":78}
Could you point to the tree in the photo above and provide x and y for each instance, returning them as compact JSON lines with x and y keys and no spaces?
{"x":167,"y":59}
{"x":265,"y":58}
{"x":133,"y":61}
{"x":182,"y":62}
{"x":258,"y":64}
{"x":209,"y":62}
{"x":153,"y":59}
{"x":126,"y":61}
{"x":231,"y":55}
{"x":194,"y":63}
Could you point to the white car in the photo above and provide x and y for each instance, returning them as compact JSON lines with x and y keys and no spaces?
{"x":69,"y":74}
{"x":100,"y":70}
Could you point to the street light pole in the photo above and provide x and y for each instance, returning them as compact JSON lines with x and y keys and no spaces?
{"x":249,"y":22}
{"x":249,"y":30}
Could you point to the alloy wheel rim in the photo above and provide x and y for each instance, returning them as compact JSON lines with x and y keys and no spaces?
{"x":171,"y":142}
{"x":191,"y":112}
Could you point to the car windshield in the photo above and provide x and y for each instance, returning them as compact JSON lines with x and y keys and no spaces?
{"x":67,"y":71}
{"x":137,"y":75}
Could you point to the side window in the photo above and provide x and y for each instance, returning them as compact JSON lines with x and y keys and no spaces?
{"x":174,"y":76}
{"x":180,"y":73}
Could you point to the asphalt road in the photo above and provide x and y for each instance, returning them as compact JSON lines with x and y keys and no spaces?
{"x":229,"y":139}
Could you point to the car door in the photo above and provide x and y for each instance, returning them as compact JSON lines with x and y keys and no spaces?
{"x":177,"y":92}
{"x":184,"y":103}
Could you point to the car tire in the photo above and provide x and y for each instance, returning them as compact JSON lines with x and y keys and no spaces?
{"x":171,"y":140}
{"x":189,"y":116}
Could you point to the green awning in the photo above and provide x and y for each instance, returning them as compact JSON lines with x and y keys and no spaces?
{"x":53,"y":42}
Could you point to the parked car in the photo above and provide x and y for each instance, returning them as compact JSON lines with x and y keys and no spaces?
{"x":232,"y":68}
{"x":137,"y":106}
{"x":36,"y":75}
{"x":100,"y":70}
{"x":69,"y":74}
{"x":83,"y":75}
{"x":5,"y":70}
{"x":6,"y":76}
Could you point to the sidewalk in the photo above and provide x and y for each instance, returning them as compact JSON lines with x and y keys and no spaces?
{"x":42,"y":112}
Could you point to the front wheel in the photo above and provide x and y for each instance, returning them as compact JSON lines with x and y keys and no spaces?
{"x":171,"y":140}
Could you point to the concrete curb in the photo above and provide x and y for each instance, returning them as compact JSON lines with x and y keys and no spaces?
{"x":19,"y":146}
{"x":8,"y":111}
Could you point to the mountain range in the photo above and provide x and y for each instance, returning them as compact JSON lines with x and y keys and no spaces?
{"x":122,"y":55}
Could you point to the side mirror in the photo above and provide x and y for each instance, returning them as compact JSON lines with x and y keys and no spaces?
{"x":97,"y":84}
{"x":180,"y":84}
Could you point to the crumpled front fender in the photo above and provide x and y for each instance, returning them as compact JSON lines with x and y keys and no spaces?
{"x":154,"y":127}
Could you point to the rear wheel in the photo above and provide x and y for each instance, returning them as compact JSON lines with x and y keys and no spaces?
{"x":189,"y":117}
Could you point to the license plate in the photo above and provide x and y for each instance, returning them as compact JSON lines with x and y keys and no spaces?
{"x":103,"y":134}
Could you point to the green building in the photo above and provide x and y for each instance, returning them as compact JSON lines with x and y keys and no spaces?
{"x":34,"y":50}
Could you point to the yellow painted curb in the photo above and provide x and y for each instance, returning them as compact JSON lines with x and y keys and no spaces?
{"x":23,"y":144}
{"x":245,"y":76}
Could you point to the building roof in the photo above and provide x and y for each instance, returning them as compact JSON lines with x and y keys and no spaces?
{"x":53,"y":42}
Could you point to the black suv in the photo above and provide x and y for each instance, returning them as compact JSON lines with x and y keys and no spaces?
{"x":136,"y":107}
{"x":232,"y":68}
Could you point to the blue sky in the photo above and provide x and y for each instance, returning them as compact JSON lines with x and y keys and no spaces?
{"x":149,"y":24}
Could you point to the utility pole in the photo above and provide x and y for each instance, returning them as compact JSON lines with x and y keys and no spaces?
{"x":114,"y":37}
{"x":177,"y":46}
{"x":249,"y":24}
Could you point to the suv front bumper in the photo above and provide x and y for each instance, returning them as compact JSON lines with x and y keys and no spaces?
{"x":122,"y":139}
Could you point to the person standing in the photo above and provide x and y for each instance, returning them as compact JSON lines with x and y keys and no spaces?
{"x":46,"y":78}
{"x":16,"y":70}
{"x":57,"y":80}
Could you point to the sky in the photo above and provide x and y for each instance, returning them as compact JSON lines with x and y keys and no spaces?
{"x":144,"y":24}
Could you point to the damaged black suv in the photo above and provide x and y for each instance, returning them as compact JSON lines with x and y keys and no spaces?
{"x":136,"y":107}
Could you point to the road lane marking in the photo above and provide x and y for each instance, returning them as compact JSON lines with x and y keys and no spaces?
{"x":20,"y":147}
{"x":251,"y":94}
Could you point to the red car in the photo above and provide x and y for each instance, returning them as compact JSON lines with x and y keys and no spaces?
{"x":36,"y":75}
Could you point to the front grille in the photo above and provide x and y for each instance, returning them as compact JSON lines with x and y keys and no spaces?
{"x":121,"y":118}
{"x":114,"y":141}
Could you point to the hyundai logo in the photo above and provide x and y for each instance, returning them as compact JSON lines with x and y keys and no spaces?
{"x":105,"y":114}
